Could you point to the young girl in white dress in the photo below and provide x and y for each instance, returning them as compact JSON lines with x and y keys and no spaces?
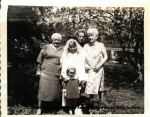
{"x":73,"y":55}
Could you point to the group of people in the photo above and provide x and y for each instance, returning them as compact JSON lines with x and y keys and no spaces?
{"x":79,"y":67}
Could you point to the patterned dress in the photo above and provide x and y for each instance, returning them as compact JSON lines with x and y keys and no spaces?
{"x":49,"y":86}
{"x":95,"y":81}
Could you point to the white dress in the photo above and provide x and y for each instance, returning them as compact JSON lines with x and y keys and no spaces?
{"x":76,"y":60}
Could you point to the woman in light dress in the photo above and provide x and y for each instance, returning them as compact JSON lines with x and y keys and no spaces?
{"x":96,"y":56}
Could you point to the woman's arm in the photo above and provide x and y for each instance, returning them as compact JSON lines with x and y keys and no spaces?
{"x":39,"y":62}
{"x":105,"y":57}
{"x":41,"y":56}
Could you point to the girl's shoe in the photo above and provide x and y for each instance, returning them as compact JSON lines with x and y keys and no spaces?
{"x":70,"y":112}
{"x":38,"y":111}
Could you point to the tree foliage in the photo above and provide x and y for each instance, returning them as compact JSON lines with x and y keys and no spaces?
{"x":27,"y":34}
{"x":126,"y":23}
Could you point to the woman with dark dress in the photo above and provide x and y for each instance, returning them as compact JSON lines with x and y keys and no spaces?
{"x":49,"y":65}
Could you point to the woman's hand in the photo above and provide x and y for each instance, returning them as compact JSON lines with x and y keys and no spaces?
{"x":38,"y":72}
{"x":96,"y":69}
{"x":87,"y":68}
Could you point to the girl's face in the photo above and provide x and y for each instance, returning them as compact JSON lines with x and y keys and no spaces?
{"x":71,"y":72}
{"x":72,"y":48}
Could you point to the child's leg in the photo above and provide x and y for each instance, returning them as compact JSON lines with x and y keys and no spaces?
{"x":101,"y":96}
{"x":39,"y":107}
{"x":73,"y":110}
{"x":72,"y":105}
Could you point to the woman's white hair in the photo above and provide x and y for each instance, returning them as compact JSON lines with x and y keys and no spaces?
{"x":56,"y":35}
{"x":92,"y":30}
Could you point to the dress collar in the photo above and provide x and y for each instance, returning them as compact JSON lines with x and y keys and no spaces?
{"x":93,"y":44}
{"x":59,"y":48}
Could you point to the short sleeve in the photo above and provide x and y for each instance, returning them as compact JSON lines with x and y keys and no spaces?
{"x":103,"y":48}
{"x":40,"y":56}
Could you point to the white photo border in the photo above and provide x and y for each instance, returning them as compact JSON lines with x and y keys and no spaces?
{"x":110,"y":3}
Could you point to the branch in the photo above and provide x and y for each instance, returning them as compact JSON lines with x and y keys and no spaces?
{"x":133,"y":63}
{"x":110,"y":14}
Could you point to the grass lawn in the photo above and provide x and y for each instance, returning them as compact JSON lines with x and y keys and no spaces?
{"x":120,"y":96}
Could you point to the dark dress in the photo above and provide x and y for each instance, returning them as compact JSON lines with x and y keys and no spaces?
{"x":72,"y":91}
{"x":49,"y":86}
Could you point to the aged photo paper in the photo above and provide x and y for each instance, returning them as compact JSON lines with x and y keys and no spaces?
{"x":75,"y":58}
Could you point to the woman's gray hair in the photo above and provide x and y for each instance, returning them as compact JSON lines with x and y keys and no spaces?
{"x":56,"y":35}
{"x":92,"y":30}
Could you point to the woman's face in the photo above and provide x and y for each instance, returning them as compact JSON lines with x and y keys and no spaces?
{"x":81,"y":37}
{"x":56,"y":42}
{"x":92,"y":37}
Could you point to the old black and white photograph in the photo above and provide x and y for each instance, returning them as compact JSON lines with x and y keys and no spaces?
{"x":73,"y":60}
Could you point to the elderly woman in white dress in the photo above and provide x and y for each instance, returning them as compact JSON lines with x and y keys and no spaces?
{"x":96,"y":56}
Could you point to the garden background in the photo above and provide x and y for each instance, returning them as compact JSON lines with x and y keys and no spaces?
{"x":29,"y":28}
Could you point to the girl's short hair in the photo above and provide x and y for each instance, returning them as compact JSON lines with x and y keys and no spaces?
{"x":56,"y":35}
{"x":92,"y":30}
{"x":70,"y":68}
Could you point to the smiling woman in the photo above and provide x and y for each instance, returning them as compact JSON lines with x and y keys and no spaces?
{"x":49,"y":65}
{"x":56,"y":39}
